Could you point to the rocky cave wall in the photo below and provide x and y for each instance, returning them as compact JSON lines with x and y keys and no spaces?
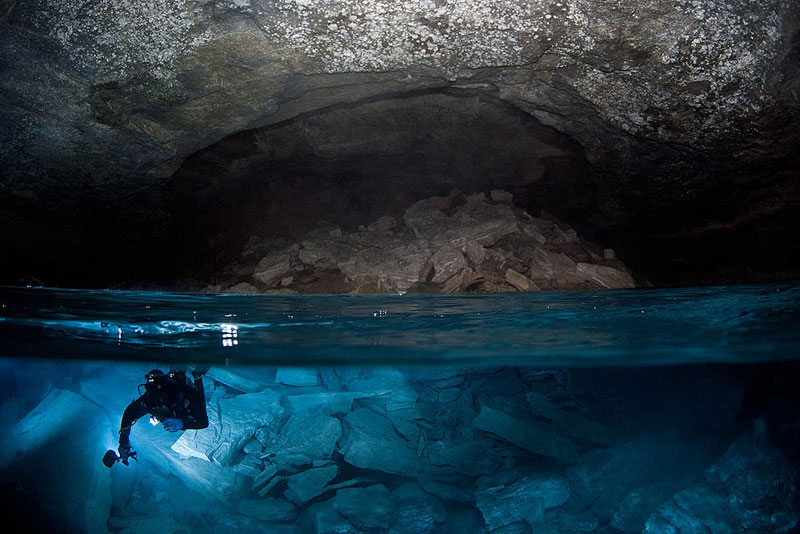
{"x":676,"y":124}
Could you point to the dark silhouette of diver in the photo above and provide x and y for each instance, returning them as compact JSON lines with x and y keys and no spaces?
{"x":171,"y":400}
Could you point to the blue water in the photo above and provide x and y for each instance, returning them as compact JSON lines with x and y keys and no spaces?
{"x":723,"y":324}
{"x":649,"y":411}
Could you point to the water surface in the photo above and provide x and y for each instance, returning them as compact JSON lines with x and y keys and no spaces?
{"x":723,"y":324}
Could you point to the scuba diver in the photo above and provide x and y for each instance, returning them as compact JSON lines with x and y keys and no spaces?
{"x":171,"y":400}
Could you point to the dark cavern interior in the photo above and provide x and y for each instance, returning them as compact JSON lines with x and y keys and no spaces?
{"x":495,"y":266}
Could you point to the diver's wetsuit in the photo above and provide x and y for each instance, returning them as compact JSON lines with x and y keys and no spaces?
{"x":165,"y":399}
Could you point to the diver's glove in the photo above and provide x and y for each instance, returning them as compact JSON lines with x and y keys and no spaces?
{"x":126,"y":453}
{"x":173,"y":425}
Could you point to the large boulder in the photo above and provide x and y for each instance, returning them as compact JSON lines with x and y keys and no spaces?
{"x":297,"y":376}
{"x":275,"y":266}
{"x":390,"y":266}
{"x":534,"y":436}
{"x":605,"y":277}
{"x":451,"y":244}
{"x":208,"y":478}
{"x":393,"y":396}
{"x":447,"y":261}
{"x":370,"y":441}
{"x":310,"y":483}
{"x":303,"y":439}
{"x":235,"y":380}
{"x":437,"y":221}
{"x":231,"y":425}
{"x":325,"y":402}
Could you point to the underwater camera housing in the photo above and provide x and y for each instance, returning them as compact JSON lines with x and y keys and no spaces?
{"x":111,"y":457}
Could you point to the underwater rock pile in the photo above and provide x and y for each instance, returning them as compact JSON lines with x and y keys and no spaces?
{"x":447,"y":244}
{"x":471,"y":450}
{"x":422,"y":450}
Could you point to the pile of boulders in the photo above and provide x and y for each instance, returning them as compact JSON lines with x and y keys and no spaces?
{"x":447,"y":244}
{"x":389,"y":450}
{"x":398,"y":450}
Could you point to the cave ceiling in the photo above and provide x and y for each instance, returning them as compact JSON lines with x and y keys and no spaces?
{"x":690,"y":105}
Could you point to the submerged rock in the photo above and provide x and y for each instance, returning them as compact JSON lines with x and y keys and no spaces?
{"x":417,"y":511}
{"x":370,"y":441}
{"x":534,"y":436}
{"x":447,"y":492}
{"x":571,"y":423}
{"x":231,"y":426}
{"x":303,"y":439}
{"x":268,"y":509}
{"x":430,"y":450}
{"x":297,"y":376}
{"x":525,"y":500}
{"x":610,"y":481}
{"x":460,"y":456}
{"x":366,"y":508}
{"x":329,"y":521}
{"x":234,"y":380}
{"x":751,"y":488}
{"x":308,"y":484}
{"x":325,"y":402}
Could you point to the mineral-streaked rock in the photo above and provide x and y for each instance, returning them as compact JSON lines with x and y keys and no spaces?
{"x":447,"y":261}
{"x":520,"y":281}
{"x":606,"y":277}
